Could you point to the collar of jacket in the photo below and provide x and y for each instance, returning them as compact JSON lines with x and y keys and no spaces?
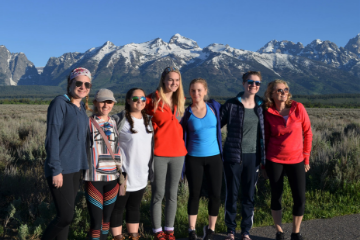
{"x":258,"y":100}
{"x":273,"y":110}
{"x":68,"y":100}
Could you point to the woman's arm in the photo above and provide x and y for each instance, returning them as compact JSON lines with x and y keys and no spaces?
{"x":55,"y":119}
{"x":307,"y":133}
{"x":224,"y":114}
{"x":267,"y":130}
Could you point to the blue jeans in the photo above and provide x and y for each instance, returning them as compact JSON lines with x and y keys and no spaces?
{"x":244,"y":175}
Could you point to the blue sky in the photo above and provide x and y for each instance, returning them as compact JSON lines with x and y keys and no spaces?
{"x":43,"y":29}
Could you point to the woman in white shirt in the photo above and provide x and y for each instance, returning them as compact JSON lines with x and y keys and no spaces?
{"x":136,"y":141}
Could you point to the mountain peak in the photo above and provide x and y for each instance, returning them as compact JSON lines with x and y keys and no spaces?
{"x":156,"y":43}
{"x":318,"y":41}
{"x":284,"y":46}
{"x":183,"y":42}
{"x":108,"y":43}
{"x":354,"y":45}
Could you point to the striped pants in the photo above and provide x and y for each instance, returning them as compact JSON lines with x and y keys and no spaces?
{"x":100,"y":197}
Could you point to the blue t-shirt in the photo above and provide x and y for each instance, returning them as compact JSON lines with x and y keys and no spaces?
{"x":202,"y":135}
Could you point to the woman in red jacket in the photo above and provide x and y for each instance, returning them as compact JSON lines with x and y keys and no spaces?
{"x":165,"y":105}
{"x":288,"y":139}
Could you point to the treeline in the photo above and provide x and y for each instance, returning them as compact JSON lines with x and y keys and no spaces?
{"x":38,"y":101}
{"x":328,"y":96}
{"x":332,"y":105}
{"x":24,"y":101}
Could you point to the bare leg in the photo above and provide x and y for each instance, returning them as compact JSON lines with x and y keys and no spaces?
{"x":212,"y":222}
{"x":132,"y":227}
{"x":192,"y":221}
{"x":277,"y":219}
{"x":116,"y":231}
{"x":296,"y":223}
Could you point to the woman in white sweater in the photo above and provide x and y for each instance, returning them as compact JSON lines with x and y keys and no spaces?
{"x":136,"y":141}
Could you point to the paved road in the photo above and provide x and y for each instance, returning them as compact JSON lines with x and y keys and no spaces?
{"x":339,"y":228}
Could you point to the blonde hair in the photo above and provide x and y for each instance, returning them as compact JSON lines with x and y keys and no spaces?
{"x":269,"y":102}
{"x":178,"y":97}
{"x":204,"y":83}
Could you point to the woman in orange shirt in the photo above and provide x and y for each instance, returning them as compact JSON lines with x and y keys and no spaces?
{"x":165,"y":105}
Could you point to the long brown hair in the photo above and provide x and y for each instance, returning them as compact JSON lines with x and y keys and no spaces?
{"x":249,"y":73}
{"x":178,"y":97}
{"x":68,"y":92}
{"x":128,"y":115}
{"x":269,"y":102}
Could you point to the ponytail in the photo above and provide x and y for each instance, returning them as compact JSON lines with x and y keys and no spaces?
{"x":130,"y":120}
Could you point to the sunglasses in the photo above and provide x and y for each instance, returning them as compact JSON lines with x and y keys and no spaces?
{"x":136,"y":98}
{"x":282,"y":91}
{"x":80,"y":83}
{"x":250,"y":82}
{"x":167,"y":70}
{"x":108,"y":102}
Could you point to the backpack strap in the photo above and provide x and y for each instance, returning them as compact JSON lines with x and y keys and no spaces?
{"x":92,"y":119}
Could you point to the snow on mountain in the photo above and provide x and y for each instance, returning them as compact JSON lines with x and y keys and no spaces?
{"x":285,"y":47}
{"x":183,"y":42}
{"x":324,"y":51}
{"x":139,"y":64}
{"x":16,"y":69}
{"x":180,"y":46}
{"x":329,"y":53}
{"x":354,"y":45}
{"x":40,"y":70}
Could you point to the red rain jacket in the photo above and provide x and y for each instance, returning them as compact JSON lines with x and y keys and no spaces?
{"x":288,"y":142}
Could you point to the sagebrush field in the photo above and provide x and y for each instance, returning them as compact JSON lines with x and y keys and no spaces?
{"x":333,"y":183}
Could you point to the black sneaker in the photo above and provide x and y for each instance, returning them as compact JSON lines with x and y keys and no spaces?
{"x":280,"y":236}
{"x":208,"y":233}
{"x":192,"y":235}
{"x":297,"y":236}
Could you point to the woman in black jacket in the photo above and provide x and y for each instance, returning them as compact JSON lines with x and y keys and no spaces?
{"x":243,"y":152}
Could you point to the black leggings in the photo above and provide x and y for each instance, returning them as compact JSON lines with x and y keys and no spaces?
{"x":131,"y":201}
{"x":64,"y":200}
{"x":100,"y":197}
{"x":296,"y":177}
{"x":213,"y":168}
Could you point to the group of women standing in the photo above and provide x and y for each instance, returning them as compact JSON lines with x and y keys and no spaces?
{"x":155,"y":136}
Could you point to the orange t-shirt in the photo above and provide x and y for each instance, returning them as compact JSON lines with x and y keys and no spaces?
{"x":168,"y":132}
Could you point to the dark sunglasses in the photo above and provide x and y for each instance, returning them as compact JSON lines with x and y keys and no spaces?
{"x":108,"y":102}
{"x":250,"y":82}
{"x":136,"y":98}
{"x":282,"y":91}
{"x":80,"y":83}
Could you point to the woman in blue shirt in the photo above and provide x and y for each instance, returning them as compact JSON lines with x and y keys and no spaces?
{"x":202,"y":136}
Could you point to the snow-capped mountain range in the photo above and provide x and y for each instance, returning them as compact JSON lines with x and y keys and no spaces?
{"x":319,"y":67}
